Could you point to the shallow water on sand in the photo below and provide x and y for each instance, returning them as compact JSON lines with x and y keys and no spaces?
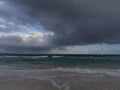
{"x":59,"y":73}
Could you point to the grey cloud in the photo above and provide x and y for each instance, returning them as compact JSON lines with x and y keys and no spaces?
{"x":8,"y":26}
{"x":73,"y":20}
{"x":24,"y":42}
{"x":9,"y":10}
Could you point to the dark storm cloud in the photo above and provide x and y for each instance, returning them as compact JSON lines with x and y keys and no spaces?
{"x":73,"y":20}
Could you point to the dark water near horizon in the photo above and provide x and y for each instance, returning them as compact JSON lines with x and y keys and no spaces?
{"x":66,"y":73}
{"x":62,"y":62}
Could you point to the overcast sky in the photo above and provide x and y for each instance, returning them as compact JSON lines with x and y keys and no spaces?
{"x":60,"y":26}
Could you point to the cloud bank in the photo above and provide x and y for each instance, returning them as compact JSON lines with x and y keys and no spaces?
{"x":71,"y":21}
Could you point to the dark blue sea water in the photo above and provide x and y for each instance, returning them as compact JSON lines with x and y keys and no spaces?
{"x":62,"y":62}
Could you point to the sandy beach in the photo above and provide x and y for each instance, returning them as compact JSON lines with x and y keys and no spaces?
{"x":12,"y":83}
{"x":15,"y":83}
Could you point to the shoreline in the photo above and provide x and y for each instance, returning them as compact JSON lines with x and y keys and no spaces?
{"x":83,"y":83}
{"x":15,"y":83}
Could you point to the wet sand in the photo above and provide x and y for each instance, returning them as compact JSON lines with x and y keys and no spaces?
{"x":106,"y":83}
{"x":83,"y":83}
{"x":10,"y":83}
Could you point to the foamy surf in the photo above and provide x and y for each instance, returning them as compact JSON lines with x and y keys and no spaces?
{"x":52,"y":71}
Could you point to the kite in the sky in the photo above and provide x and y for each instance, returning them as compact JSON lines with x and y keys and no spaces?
{"x":91,"y":35}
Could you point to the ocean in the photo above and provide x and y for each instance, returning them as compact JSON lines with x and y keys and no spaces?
{"x":59,"y":73}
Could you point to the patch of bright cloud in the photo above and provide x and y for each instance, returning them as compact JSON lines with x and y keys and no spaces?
{"x":2,"y":5}
{"x":2,"y":20}
{"x":28,"y":39}
{"x":12,"y":25}
{"x":2,"y":26}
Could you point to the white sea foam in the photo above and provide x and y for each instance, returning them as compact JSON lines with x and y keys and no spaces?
{"x":72,"y":71}
{"x":112,"y":72}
